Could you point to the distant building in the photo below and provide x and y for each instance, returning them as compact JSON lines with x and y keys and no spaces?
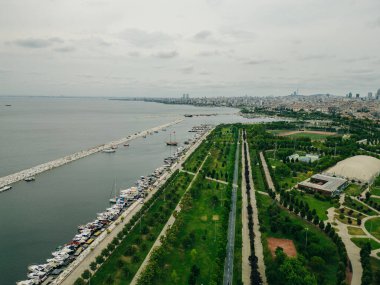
{"x":378,"y":94}
{"x":357,"y":95}
{"x":308,"y":158}
{"x":369,"y":95}
{"x":350,"y":95}
{"x":324,"y":184}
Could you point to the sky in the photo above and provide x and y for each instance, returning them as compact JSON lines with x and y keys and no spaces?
{"x":162,"y":48}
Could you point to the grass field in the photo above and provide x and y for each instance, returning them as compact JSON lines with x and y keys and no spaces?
{"x":354,"y":231}
{"x":322,"y":242}
{"x":373,"y":227}
{"x":375,"y":266}
{"x":353,"y":190}
{"x":200,"y":239}
{"x":375,"y":190}
{"x":288,"y":181}
{"x":309,"y":135}
{"x":319,"y":206}
{"x":360,"y":242}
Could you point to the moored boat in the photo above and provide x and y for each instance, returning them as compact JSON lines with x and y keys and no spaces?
{"x":30,"y":178}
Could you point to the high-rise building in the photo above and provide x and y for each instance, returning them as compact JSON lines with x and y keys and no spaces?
{"x":369,"y":95}
{"x":357,"y":95}
{"x":378,"y":94}
{"x":350,"y":95}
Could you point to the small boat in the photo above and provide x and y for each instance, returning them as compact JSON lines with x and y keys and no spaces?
{"x":109,"y":150}
{"x":170,"y":142}
{"x":114,"y":147}
{"x":156,"y":132}
{"x":113,"y":199}
{"x":126,"y":144}
{"x":29,"y":179}
{"x":5,"y":188}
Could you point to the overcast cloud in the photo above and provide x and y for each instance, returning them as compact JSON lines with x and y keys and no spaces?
{"x":200,"y":47}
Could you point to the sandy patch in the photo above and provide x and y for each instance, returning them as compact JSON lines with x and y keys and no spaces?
{"x":286,"y":244}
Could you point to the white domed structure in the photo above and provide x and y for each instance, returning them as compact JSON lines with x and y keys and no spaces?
{"x":360,"y":167}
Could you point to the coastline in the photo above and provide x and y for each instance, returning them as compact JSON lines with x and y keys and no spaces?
{"x":15,"y":177}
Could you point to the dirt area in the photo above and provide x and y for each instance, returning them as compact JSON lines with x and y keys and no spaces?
{"x":215,"y":217}
{"x":306,"y":132}
{"x":286,"y":244}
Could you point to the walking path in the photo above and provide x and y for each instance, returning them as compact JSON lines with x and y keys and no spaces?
{"x":246,"y":248}
{"x":12,"y":178}
{"x":267,"y":173}
{"x":229,"y":262}
{"x":168,"y":224}
{"x":74,"y":271}
{"x":259,"y":251}
{"x":353,"y":251}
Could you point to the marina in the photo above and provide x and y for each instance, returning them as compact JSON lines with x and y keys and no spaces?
{"x":37,"y":216}
{"x":69,"y":256}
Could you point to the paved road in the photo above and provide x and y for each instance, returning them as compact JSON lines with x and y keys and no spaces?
{"x":229,"y":262}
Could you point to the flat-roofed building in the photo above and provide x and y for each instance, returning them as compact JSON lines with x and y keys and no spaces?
{"x":324,"y":184}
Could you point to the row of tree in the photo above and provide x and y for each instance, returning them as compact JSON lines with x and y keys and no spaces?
{"x":255,"y":275}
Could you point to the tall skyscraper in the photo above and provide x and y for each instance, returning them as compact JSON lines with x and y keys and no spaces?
{"x":378,"y":94}
{"x":369,"y":95}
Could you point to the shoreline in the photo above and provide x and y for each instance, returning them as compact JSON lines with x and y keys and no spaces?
{"x":72,"y":273}
{"x":35,"y":170}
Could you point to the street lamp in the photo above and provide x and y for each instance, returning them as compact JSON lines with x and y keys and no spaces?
{"x":307,"y":229}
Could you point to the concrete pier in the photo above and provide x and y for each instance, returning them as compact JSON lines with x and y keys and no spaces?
{"x":12,"y":178}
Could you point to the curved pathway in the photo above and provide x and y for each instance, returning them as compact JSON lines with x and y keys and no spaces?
{"x":353,"y":251}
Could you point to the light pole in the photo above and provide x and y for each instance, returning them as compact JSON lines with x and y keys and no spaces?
{"x":307,"y":229}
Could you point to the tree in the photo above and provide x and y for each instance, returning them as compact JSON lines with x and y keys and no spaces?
{"x":174,"y":277}
{"x":99,"y":259}
{"x":194,"y":273}
{"x":93,"y":266}
{"x":293,"y":272}
{"x":317,"y":264}
{"x":86,"y":274}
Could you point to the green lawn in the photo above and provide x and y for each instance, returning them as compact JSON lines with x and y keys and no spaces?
{"x":326,"y":248}
{"x":360,"y":242}
{"x":308,"y":135}
{"x":319,"y":206}
{"x":288,"y":181}
{"x":353,"y":190}
{"x":354,"y":231}
{"x":373,"y":227}
{"x":375,"y":266}
{"x":375,"y":190}
{"x":199,"y":240}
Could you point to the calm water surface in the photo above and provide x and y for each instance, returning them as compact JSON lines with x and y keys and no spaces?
{"x":38,"y":216}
